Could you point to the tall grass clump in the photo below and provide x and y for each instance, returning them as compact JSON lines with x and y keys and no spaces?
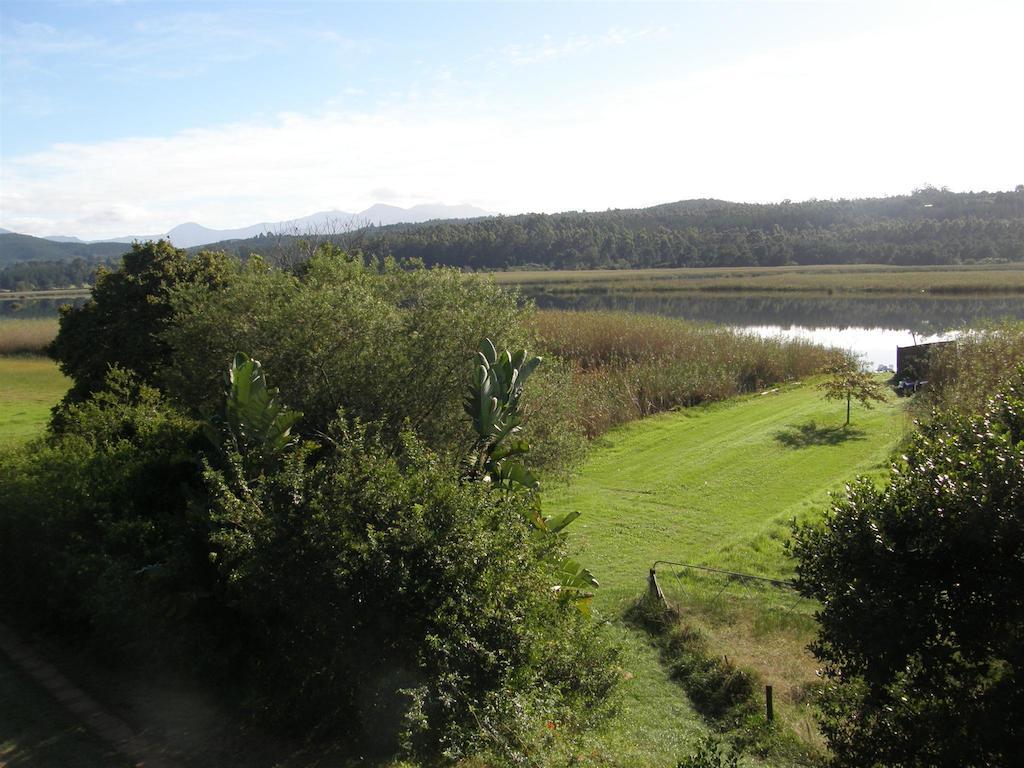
{"x":628,"y":366}
{"x":963,"y":375}
{"x":26,"y":335}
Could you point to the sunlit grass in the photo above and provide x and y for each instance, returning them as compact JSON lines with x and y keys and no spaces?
{"x":715,"y":485}
{"x":29,"y":388}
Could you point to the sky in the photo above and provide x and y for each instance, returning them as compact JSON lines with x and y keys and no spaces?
{"x":127,"y":118}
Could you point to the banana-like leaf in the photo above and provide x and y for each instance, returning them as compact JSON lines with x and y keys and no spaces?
{"x":513,"y":472}
{"x":574,"y":585}
{"x":557,"y":524}
{"x":507,"y":449}
{"x":489,"y":352}
{"x":256,"y":421}
{"x":572,"y":575}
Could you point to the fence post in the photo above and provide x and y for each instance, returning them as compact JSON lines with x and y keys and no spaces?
{"x":769,"y":710}
{"x":654,"y":588}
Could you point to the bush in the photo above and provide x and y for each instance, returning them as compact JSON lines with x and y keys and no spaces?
{"x":350,"y":585}
{"x":922,"y":609}
{"x":383,"y":597}
{"x":85,"y":510}
{"x":391,"y":345}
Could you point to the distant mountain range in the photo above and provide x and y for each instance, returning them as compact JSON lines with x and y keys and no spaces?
{"x":190,"y":234}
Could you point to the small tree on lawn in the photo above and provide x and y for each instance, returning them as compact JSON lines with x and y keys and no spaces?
{"x":848,"y":381}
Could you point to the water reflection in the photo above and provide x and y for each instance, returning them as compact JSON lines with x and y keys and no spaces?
{"x":876,"y":346}
{"x":31,"y":308}
{"x":870,"y":326}
{"x":919,"y":315}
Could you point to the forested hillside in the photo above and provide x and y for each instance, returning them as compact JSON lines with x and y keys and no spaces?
{"x":17,"y":248}
{"x":929,"y":226}
{"x":44,"y":275}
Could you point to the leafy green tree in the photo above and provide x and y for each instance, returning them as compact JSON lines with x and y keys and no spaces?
{"x":130,"y":307}
{"x":387,"y":343}
{"x":922,"y":617}
{"x":848,"y":381}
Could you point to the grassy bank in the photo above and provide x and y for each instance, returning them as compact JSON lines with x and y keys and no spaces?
{"x":714,"y":485}
{"x":846,"y":279}
{"x":29,"y":388}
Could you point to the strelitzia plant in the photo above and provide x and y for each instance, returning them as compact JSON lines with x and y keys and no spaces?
{"x":492,"y":403}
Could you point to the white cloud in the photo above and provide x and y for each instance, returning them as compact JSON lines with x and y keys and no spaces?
{"x":876,"y":114}
{"x":548,"y":49}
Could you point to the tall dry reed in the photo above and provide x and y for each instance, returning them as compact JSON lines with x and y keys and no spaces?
{"x":629,"y":366}
{"x":26,"y":335}
{"x":963,"y":375}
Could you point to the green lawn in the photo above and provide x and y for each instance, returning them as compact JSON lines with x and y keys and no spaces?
{"x":715,"y":485}
{"x":29,"y":387}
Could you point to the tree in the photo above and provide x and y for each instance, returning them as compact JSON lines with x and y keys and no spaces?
{"x":121,"y":324}
{"x":922,"y":610}
{"x":847,"y":381}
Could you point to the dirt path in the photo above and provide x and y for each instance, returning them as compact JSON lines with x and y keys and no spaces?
{"x":140,"y":751}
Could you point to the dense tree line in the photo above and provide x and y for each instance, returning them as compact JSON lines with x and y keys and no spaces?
{"x":44,"y":275}
{"x":927,"y":227}
{"x":16,"y":248}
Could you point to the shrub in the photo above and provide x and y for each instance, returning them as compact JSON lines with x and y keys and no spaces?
{"x":85,"y":510}
{"x":384,"y":597}
{"x":350,"y":585}
{"x":963,"y":375}
{"x":922,"y":609}
{"x":391,"y":345}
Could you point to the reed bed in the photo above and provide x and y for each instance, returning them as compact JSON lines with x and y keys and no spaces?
{"x":628,"y":366}
{"x":986,"y":279}
{"x":963,"y":375}
{"x":26,"y":335}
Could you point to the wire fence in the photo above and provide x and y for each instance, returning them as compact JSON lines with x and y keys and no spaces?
{"x":718,"y":593}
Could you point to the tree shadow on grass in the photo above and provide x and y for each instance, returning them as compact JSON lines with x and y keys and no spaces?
{"x":810,"y":434}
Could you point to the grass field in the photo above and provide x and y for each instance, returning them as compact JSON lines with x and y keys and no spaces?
{"x":714,"y":485}
{"x":851,"y":279}
{"x":29,"y":387}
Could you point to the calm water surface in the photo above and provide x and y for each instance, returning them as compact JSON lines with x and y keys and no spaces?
{"x":871,"y":327}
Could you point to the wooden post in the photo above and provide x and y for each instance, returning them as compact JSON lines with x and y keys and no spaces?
{"x":654,"y":588}
{"x":769,"y":711}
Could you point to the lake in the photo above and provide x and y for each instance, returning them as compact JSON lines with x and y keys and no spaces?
{"x":871,"y":327}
